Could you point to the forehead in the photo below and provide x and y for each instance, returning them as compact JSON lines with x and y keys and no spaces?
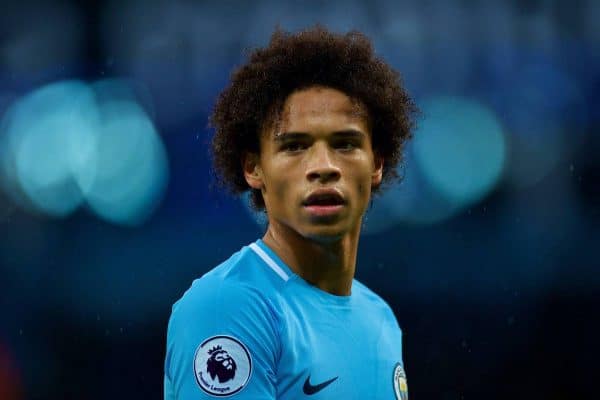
{"x":320,"y":105}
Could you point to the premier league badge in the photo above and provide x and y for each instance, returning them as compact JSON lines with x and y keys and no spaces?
{"x":222,"y":365}
{"x":400,"y":386}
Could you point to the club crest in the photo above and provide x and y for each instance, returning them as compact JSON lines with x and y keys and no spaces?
{"x":400,"y":386}
{"x":222,"y":365}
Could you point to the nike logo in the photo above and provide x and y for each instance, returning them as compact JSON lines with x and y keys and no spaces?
{"x":312,"y":389}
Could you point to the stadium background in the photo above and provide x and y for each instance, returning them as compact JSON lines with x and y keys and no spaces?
{"x":487,"y":251}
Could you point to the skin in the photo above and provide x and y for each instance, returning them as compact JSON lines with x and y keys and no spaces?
{"x":333,"y":150}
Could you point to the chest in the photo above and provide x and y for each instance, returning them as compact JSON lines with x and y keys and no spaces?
{"x":337,"y":352}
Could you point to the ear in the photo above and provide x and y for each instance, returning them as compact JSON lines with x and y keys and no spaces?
{"x":377,"y":174}
{"x":252,"y":170}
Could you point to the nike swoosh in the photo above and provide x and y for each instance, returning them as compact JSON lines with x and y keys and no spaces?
{"x":312,"y":389}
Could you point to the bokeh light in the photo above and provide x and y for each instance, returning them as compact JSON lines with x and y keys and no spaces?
{"x":460,"y":148}
{"x":456,"y":157}
{"x":132,"y":168}
{"x":48,"y":141}
{"x":69,"y":142}
{"x":413,"y":201}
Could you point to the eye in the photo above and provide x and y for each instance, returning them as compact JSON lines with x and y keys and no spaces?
{"x":346,"y":145}
{"x":293,"y":146}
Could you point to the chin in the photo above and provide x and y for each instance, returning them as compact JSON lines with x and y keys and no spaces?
{"x":331,"y":230}
{"x":325,"y":234}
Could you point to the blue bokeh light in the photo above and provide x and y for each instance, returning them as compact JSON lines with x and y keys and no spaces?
{"x":69,"y":142}
{"x":413,"y":201}
{"x":132,"y":169}
{"x":456,"y":157}
{"x":460,"y":148}
{"x":48,"y":136}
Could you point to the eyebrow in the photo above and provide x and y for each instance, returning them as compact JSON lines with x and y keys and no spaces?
{"x":346,"y":134}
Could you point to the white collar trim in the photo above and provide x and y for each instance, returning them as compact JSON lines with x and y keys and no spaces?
{"x":269,"y":261}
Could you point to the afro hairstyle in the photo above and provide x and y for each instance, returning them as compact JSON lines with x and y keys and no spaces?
{"x":293,"y":61}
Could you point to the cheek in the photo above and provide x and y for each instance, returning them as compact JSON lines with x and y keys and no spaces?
{"x":284,"y":178}
{"x":364,"y":193}
{"x":362,"y":178}
{"x":362,"y":189}
{"x":279,"y":188}
{"x":279,"y":185}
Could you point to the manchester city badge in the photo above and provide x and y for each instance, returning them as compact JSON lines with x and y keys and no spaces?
{"x":400,"y":386}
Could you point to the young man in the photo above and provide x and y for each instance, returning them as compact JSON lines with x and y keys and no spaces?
{"x":312,"y":125}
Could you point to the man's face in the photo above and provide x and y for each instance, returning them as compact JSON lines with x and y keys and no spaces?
{"x":316,"y":166}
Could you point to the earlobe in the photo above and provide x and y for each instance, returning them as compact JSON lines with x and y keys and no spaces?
{"x":252,"y":170}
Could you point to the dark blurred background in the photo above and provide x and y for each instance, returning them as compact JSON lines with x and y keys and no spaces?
{"x":487,"y":250}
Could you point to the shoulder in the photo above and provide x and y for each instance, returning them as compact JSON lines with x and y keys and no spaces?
{"x":369,"y":296}
{"x":238,"y":286}
{"x":239,"y":290}
{"x":374,"y":303}
{"x":228,"y":311}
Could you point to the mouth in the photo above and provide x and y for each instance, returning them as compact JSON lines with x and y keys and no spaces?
{"x":324,"y":203}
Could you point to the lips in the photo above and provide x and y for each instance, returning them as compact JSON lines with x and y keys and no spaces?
{"x":324,"y":197}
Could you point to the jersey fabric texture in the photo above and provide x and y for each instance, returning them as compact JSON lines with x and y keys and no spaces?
{"x":252,"y":329}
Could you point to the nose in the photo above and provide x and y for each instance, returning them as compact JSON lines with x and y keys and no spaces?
{"x":321,"y":165}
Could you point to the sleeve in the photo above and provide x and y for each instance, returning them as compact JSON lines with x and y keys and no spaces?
{"x":222,"y":340}
{"x":395,"y":332}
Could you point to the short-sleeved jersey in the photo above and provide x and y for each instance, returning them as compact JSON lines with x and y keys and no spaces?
{"x":252,"y":329}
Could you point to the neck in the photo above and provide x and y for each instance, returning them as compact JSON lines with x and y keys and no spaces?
{"x":328,"y":264}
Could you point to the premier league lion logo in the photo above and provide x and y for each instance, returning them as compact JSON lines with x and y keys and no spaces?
{"x":220,"y":364}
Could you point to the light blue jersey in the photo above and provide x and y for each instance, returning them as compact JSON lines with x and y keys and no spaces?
{"x":253,"y":329}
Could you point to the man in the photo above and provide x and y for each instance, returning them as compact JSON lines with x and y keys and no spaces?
{"x":312,"y":124}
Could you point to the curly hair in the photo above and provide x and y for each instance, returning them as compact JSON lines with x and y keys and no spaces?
{"x":313,"y":57}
